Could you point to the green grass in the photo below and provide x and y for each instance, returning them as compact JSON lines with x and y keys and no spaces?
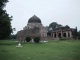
{"x":52,"y":50}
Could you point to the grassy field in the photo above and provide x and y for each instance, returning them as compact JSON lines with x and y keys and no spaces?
{"x":52,"y":50}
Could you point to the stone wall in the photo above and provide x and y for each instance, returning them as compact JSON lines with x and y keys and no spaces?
{"x":21,"y":35}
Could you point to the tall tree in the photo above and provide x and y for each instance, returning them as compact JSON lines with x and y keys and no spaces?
{"x":5,"y":21}
{"x":54,"y":25}
{"x":78,"y":33}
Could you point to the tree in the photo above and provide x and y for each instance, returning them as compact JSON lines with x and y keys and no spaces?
{"x":3,"y":3}
{"x":5,"y":21}
{"x":13,"y":36}
{"x":54,"y":25}
{"x":78,"y":33}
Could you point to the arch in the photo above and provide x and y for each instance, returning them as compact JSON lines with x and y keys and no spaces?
{"x":64,"y":34}
{"x":55,"y":35}
{"x":59,"y":35}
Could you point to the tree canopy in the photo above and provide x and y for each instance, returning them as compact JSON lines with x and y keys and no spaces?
{"x":54,"y":25}
{"x":5,"y":21}
{"x":78,"y":33}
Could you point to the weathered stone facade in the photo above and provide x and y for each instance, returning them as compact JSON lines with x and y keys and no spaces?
{"x":34,"y":28}
{"x":64,"y":32}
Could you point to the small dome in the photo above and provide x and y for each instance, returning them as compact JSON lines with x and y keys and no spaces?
{"x":34,"y":19}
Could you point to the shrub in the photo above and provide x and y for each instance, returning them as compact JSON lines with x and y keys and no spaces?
{"x":28,"y":39}
{"x":36,"y":39}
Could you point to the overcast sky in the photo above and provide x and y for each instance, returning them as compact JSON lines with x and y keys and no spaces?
{"x":65,"y":12}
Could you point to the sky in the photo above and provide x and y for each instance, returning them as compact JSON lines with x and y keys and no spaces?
{"x":65,"y":12}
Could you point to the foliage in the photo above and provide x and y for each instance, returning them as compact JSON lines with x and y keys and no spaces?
{"x":36,"y":39}
{"x":13,"y":36}
{"x":28,"y":39}
{"x":3,"y":3}
{"x":54,"y":25}
{"x":78,"y":33}
{"x":5,"y":21}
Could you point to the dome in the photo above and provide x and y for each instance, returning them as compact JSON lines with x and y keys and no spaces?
{"x":34,"y":19}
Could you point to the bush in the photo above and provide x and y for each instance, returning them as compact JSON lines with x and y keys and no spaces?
{"x":36,"y":39}
{"x":78,"y":37}
{"x":28,"y":39}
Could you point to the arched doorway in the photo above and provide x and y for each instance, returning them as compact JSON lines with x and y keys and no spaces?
{"x":64,"y":34}
{"x":59,"y":35}
{"x":55,"y":35}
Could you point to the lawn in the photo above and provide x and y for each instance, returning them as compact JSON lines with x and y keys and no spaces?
{"x":52,"y":50}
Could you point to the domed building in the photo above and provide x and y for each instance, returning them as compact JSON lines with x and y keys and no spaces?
{"x":33,"y":29}
{"x":34,"y":21}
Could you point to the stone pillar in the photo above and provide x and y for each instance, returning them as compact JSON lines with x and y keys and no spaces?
{"x":56,"y":34}
{"x":45,"y":34}
{"x":66,"y":34}
{"x":61,"y":34}
{"x":70,"y":34}
{"x":53,"y":35}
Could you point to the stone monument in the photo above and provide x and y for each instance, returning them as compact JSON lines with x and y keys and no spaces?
{"x":19,"y":45}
